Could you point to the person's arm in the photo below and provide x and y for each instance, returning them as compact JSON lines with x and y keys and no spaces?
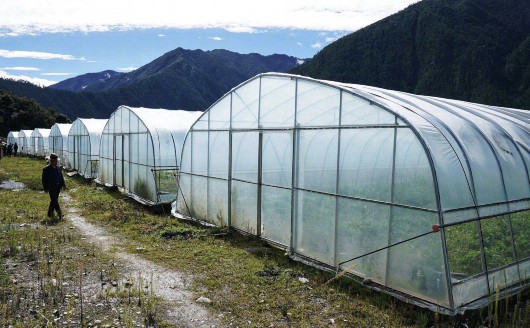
{"x":44,"y":180}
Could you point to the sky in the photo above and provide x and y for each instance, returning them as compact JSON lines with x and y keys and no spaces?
{"x":46,"y":41}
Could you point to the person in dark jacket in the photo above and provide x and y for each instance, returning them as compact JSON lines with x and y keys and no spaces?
{"x":15,"y":149}
{"x":52,"y":182}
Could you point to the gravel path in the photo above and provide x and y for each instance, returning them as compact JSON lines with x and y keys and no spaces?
{"x":170,"y":285}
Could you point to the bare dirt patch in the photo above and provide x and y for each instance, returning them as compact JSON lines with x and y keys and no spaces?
{"x":180,"y":307}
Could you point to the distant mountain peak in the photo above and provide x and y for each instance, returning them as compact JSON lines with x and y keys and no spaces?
{"x":81,"y":82}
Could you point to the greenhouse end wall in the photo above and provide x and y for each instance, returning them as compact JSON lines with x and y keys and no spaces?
{"x":58,"y":141}
{"x":355,"y":178}
{"x":139,"y":151}
{"x":83,"y":146}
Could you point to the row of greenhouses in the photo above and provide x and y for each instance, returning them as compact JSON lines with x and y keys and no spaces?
{"x":424,"y":198}
{"x":136,"y":149}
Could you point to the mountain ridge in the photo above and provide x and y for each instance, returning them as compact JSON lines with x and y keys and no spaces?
{"x":179,"y":79}
{"x":473,"y":50}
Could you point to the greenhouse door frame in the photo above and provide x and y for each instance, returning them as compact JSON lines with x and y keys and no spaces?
{"x":259,"y":179}
{"x":119,"y":161}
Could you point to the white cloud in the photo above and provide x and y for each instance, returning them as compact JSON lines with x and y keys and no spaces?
{"x":299,"y":44}
{"x":216,"y":38}
{"x":126,"y":69}
{"x":34,"y":80}
{"x":20,"y":68}
{"x":241,"y":29}
{"x":35,"y":55}
{"x":330,"y":39}
{"x":37,"y":16}
{"x":161,"y":35}
{"x":316,"y":45}
{"x":56,"y":74}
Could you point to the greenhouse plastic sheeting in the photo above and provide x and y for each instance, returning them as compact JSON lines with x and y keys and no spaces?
{"x":38,"y":142}
{"x":140,"y":150}
{"x":58,"y":140}
{"x":426,"y":198}
{"x":83,"y":146}
{"x":12,"y":137}
{"x":24,"y":137}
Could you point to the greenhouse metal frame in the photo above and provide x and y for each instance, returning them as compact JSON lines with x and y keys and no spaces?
{"x":12,"y":137}
{"x":24,"y":137}
{"x":83,"y":146}
{"x":38,"y":144}
{"x":140,"y":149}
{"x":424,"y":198}
{"x":58,"y":140}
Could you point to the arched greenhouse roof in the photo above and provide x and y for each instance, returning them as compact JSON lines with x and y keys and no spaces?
{"x":426,"y":198}
{"x":140,"y":150}
{"x":92,"y":127}
{"x":40,"y":133}
{"x":480,"y":154}
{"x":165,"y":122}
{"x":12,"y":134}
{"x":60,"y":129}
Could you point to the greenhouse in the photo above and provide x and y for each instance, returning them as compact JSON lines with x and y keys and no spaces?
{"x":38,"y":142}
{"x":12,"y":137}
{"x":24,"y":137}
{"x":58,"y":140}
{"x":140,"y":149}
{"x":424,"y":198}
{"x":83,"y":146}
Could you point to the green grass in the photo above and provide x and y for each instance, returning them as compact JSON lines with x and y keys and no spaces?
{"x":246,"y":280}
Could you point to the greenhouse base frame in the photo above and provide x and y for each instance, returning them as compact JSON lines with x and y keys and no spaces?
{"x":406,"y":298}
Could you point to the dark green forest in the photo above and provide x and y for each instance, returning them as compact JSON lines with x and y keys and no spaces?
{"x":473,"y":50}
{"x":18,"y":113}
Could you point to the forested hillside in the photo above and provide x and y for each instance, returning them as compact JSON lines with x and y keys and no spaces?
{"x":20,"y":113}
{"x":474,"y":50}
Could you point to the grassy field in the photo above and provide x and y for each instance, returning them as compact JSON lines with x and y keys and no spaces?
{"x":249,"y":283}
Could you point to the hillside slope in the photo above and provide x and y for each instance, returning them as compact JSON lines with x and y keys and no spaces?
{"x":474,"y":50}
{"x":79,"y":83}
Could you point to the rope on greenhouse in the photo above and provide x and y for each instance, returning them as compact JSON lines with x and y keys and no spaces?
{"x":182,"y":193}
{"x":435,"y":228}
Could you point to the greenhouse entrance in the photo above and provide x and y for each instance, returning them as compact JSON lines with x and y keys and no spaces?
{"x":121,"y":168}
{"x":259,"y":180}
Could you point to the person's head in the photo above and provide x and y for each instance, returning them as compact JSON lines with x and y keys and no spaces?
{"x":53,"y":159}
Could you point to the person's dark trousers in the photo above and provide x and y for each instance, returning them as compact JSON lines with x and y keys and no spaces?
{"x":54,"y":202}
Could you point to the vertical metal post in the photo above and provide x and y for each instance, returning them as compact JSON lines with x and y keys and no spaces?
{"x":260,"y":158}
{"x":294,"y":172}
{"x":229,"y":220}
{"x":337,"y":177}
{"x":392,"y":190}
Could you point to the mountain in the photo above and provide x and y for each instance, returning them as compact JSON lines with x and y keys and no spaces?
{"x":18,"y":113}
{"x":180,"y":79}
{"x":69,"y":103}
{"x":474,"y":50}
{"x":79,"y":83}
{"x":222,"y":66}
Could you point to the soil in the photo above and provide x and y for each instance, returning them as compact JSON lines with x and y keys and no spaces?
{"x":173,"y":287}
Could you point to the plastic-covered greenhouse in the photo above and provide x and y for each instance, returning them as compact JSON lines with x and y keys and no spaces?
{"x":38,"y":143}
{"x":83,"y":146}
{"x":140,"y":149}
{"x":24,"y":137}
{"x":12,"y":137}
{"x":421,"y":197}
{"x":58,"y":140}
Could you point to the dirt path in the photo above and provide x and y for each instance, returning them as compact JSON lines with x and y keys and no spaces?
{"x":172,"y":286}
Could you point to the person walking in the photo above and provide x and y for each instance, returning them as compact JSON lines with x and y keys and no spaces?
{"x":15,"y":149}
{"x":52,"y":182}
